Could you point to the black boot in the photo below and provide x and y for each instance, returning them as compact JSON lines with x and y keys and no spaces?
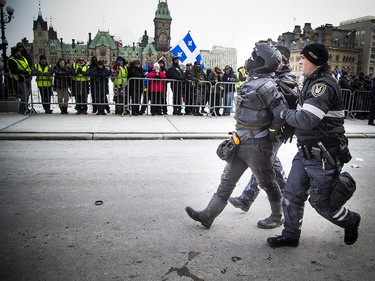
{"x":206,"y":217}
{"x":275,"y":219}
{"x":237,"y":202}
{"x":62,"y":109}
{"x":351,"y":232}
{"x":282,"y":241}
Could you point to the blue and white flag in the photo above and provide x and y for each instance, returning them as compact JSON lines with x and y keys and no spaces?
{"x":187,"y":51}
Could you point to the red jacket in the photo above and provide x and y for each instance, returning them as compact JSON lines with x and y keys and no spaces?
{"x":156,"y":86}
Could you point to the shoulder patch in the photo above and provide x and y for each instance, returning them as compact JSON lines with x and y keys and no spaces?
{"x":318,"y":89}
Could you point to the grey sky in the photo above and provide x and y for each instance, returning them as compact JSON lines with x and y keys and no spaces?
{"x":238,"y":24}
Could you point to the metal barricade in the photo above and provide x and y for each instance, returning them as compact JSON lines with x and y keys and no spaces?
{"x":182,"y":97}
{"x":361,"y":104}
{"x":223,"y":97}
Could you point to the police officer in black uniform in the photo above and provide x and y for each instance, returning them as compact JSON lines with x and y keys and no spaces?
{"x":257,"y":115}
{"x":315,"y":172}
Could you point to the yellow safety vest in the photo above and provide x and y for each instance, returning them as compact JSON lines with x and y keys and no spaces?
{"x":22,"y":65}
{"x":80,"y":77}
{"x":243,"y":71}
{"x":122,"y":77}
{"x":43,"y":80}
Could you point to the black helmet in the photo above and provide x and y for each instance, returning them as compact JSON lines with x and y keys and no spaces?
{"x":264,"y":59}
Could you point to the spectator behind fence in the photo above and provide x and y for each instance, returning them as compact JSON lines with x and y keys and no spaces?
{"x":43,"y":72}
{"x":156,"y":88}
{"x":193,"y":100}
{"x":119,"y":77}
{"x":25,"y":53}
{"x":359,"y":85}
{"x":62,"y":84}
{"x":164,"y":95}
{"x":92,"y":67}
{"x":230,"y":79}
{"x":216,"y":77}
{"x":136,"y":85}
{"x":99,"y":84}
{"x":202,"y":88}
{"x":80,"y":85}
{"x":175,"y":72}
{"x":21,"y":73}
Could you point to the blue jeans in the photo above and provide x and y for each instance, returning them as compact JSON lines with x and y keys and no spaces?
{"x":228,"y":102}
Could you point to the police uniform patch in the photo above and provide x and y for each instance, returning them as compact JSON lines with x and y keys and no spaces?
{"x":318,"y":89}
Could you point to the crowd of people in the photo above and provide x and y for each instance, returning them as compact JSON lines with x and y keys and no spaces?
{"x":135,"y":89}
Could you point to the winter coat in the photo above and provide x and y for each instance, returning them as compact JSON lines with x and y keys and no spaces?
{"x":155,"y":85}
{"x":99,"y":81}
{"x":230,"y":79}
{"x":63,"y":77}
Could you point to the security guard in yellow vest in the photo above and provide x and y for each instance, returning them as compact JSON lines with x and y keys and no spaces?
{"x":80,"y":85}
{"x":119,"y":76}
{"x":21,"y":73}
{"x":43,"y":73}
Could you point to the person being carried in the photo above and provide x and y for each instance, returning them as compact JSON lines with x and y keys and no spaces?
{"x":257,"y":116}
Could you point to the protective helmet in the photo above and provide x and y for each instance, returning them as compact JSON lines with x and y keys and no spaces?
{"x":264,"y":59}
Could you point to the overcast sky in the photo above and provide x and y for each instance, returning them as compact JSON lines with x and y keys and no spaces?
{"x":237,"y":24}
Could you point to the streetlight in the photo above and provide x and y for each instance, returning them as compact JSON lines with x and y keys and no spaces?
{"x":4,"y":19}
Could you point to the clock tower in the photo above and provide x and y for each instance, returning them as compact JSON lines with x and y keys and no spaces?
{"x":162,"y":23}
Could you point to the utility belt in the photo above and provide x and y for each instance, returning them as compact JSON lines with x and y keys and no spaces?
{"x":319,"y":153}
{"x":240,"y":136}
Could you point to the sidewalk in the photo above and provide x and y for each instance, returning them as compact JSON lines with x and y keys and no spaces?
{"x":92,"y":127}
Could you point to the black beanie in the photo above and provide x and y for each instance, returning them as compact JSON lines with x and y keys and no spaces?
{"x":316,"y":53}
{"x":42,"y":57}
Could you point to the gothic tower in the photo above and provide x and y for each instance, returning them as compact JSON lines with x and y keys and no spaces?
{"x":162,"y":23}
{"x":40,"y":29}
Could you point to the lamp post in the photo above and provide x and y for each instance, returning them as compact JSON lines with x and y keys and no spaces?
{"x":4,"y":19}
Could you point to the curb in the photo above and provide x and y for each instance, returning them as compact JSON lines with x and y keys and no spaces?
{"x":131,"y":136}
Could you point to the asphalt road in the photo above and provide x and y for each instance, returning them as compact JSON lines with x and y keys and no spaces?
{"x":51,"y":228}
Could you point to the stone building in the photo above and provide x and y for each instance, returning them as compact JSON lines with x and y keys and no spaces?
{"x":364,"y":29}
{"x":339,"y":42}
{"x":103,"y":45}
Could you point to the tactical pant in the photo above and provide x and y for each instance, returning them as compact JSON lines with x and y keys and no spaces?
{"x":255,"y":154}
{"x":251,"y":190}
{"x":308,"y":179}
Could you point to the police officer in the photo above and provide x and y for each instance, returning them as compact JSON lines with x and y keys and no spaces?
{"x":319,"y":128}
{"x":44,"y":72}
{"x":287,"y":84}
{"x":257,"y":116}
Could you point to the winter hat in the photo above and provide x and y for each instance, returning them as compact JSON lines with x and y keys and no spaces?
{"x":15,"y":50}
{"x":175,"y":58}
{"x":20,"y":45}
{"x":316,"y":53}
{"x":100,"y":62}
{"x":42,"y":57}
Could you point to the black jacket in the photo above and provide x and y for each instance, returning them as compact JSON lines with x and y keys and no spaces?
{"x":320,"y":112}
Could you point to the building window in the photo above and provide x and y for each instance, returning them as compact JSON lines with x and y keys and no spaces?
{"x":103,"y":52}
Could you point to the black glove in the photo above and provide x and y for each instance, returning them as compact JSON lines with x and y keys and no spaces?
{"x":79,"y":71}
{"x":272,"y":133}
{"x":286,"y":133}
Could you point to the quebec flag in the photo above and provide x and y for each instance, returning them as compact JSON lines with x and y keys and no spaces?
{"x":187,"y":51}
